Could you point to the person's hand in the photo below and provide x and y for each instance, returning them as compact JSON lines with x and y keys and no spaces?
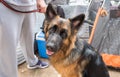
{"x":41,"y":5}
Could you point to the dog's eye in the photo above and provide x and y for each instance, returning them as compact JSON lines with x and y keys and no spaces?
{"x":63,"y":33}
{"x":53,"y":29}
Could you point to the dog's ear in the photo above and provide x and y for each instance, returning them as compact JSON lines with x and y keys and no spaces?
{"x":50,"y":12}
{"x":77,"y":21}
{"x":60,"y":11}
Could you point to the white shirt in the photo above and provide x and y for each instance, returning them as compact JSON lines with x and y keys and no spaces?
{"x":22,"y":5}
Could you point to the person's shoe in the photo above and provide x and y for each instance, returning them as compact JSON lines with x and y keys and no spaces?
{"x":40,"y":64}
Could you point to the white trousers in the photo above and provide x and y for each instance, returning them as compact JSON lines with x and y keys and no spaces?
{"x":14,"y":25}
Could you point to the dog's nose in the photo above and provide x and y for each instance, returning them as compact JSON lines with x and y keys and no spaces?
{"x":50,"y":46}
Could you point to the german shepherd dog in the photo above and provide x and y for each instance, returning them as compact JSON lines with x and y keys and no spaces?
{"x":71,"y":56}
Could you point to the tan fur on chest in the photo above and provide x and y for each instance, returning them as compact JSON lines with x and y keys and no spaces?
{"x":66,"y":70}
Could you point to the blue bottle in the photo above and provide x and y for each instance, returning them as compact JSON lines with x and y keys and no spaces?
{"x":40,"y":38}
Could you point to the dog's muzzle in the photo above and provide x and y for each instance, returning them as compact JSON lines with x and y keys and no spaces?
{"x":53,"y":43}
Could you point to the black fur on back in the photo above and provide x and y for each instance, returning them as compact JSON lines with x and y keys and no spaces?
{"x":84,"y":51}
{"x":96,"y":67}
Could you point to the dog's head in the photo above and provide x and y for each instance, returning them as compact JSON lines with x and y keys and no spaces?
{"x":59,"y":31}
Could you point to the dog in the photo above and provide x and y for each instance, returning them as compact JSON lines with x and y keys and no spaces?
{"x":69,"y":55}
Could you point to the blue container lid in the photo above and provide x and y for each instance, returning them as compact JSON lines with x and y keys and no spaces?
{"x":40,"y":36}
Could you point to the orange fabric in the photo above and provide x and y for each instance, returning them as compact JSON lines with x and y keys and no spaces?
{"x":111,"y":60}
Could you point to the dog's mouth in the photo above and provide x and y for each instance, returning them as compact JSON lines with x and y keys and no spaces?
{"x":49,"y":52}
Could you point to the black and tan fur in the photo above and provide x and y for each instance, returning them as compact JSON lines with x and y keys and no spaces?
{"x":71,"y":56}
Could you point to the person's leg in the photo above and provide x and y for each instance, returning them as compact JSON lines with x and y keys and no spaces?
{"x":10,"y":23}
{"x":27,"y":42}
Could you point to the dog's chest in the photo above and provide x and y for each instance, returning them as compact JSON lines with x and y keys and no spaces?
{"x":67,"y":70}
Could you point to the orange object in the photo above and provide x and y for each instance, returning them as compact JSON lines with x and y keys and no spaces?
{"x":101,"y":12}
{"x":94,"y":25}
{"x":111,"y":60}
